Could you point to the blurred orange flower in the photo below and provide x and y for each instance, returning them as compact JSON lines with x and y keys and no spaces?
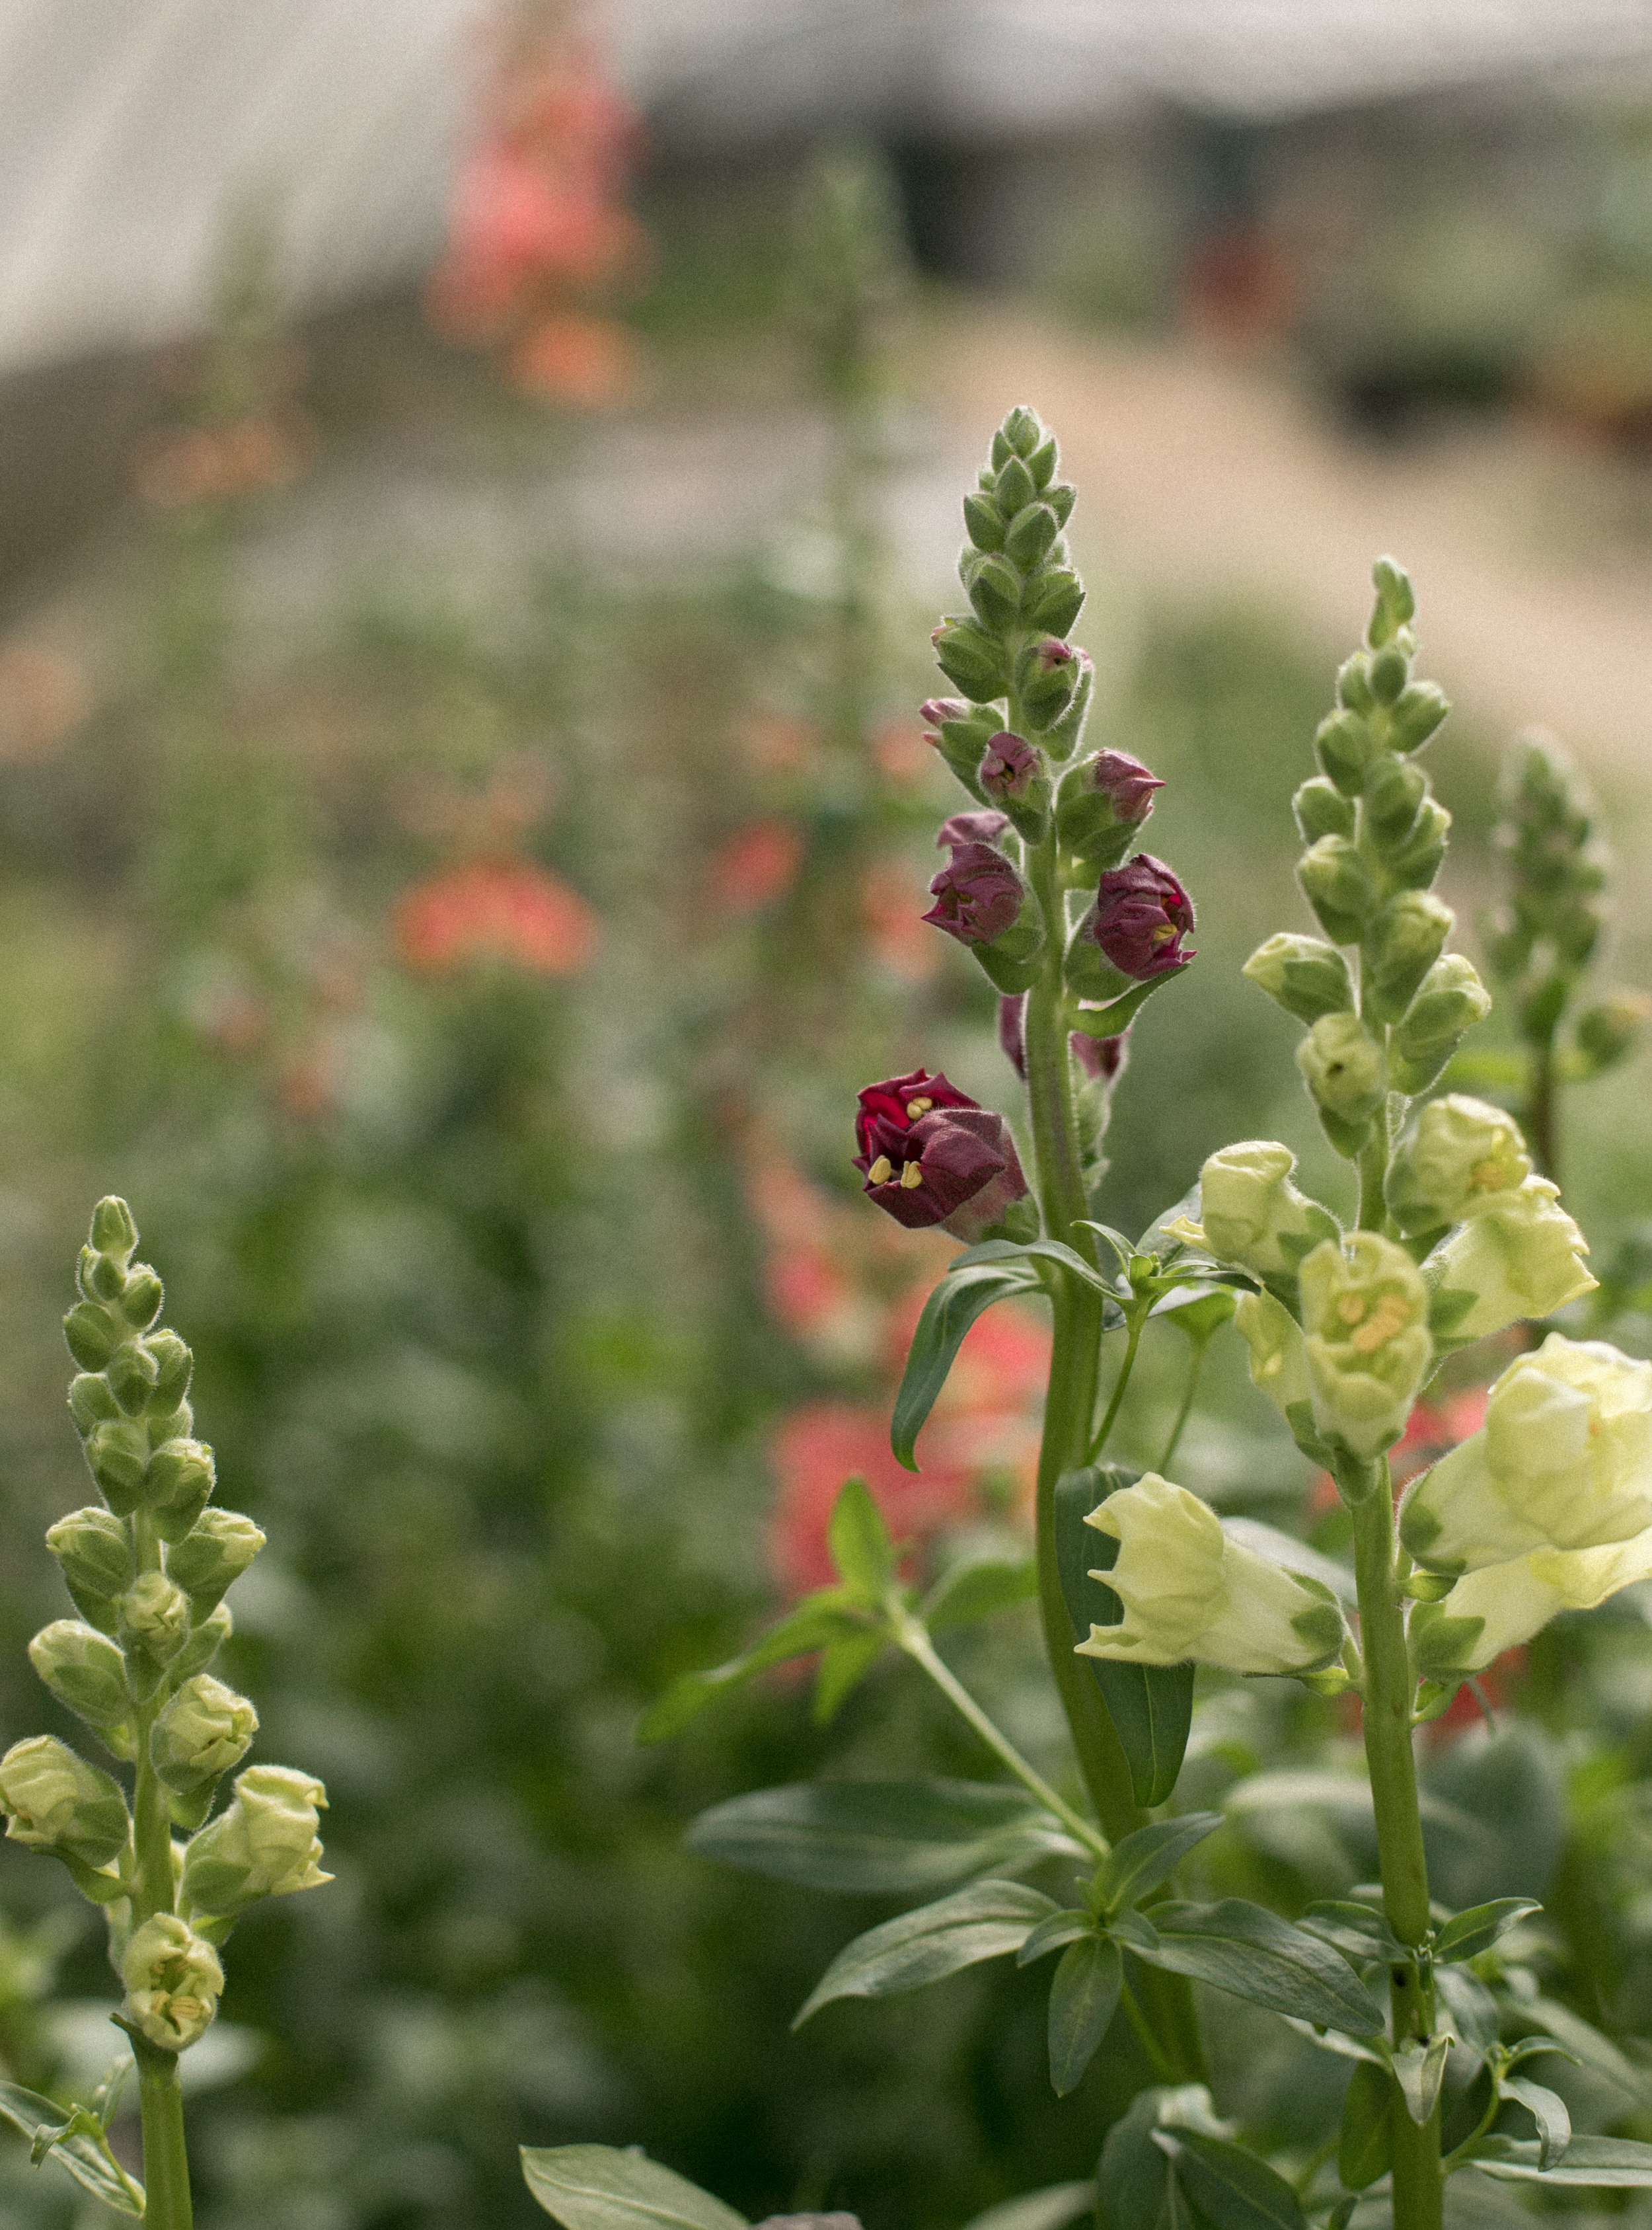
{"x":757,"y":865}
{"x":576,"y":359}
{"x":511,"y":910}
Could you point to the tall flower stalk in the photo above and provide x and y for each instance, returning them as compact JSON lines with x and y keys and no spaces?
{"x":148,"y":1570}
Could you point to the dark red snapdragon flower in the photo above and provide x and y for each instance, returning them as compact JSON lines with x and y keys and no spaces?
{"x":1126,"y":783}
{"x":978,"y":895}
{"x":931,"y":1154}
{"x":1010,"y":765}
{"x":1141,"y":915}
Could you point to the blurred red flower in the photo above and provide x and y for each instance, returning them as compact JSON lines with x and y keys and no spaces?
{"x":814,"y":1451}
{"x":576,"y":359}
{"x":495,"y":910}
{"x":757,"y":866}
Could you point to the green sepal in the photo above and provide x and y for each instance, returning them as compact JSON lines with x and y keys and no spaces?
{"x":988,"y":1920}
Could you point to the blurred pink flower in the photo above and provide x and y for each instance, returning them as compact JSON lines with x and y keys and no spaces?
{"x":507,"y":910}
{"x":756,"y":866}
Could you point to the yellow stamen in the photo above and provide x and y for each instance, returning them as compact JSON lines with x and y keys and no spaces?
{"x":917,"y":1107}
{"x":1393,"y":1314}
{"x":881,"y":1170}
{"x":911,"y":1178}
{"x":1351,"y":1308}
{"x":1488,"y":1177}
{"x":1163,"y":934}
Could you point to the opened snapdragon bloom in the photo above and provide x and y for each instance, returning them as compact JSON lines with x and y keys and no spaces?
{"x":1190,"y":1591}
{"x":1519,"y":1257}
{"x":1142,"y":914}
{"x":1364,"y":1312}
{"x":1251,"y":1214}
{"x":932,"y":1154}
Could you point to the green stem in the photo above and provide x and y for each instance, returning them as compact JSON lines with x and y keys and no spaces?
{"x":1373,"y":1167}
{"x":912,"y":1638}
{"x":1186,"y":1408}
{"x":1145,"y":2037}
{"x":166,"y":2167}
{"x":1538,"y":1122}
{"x":1137,"y":1319}
{"x":1390,"y":1696}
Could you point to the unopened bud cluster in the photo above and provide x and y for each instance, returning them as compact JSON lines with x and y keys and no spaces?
{"x":1375,"y":838}
{"x":147,"y":1572}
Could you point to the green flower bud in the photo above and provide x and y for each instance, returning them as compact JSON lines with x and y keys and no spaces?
{"x":1047,"y":672}
{"x":1343,"y":1066}
{"x":155,"y":1617}
{"x":960,"y":736}
{"x":1322,"y":811}
{"x":1452,"y":1000}
{"x":1353,"y":684}
{"x":91,"y":1401}
{"x":140,"y":1302}
{"x":1014,"y":487}
{"x":1393,"y":799}
{"x":1336,"y":882}
{"x":1308,"y":977}
{"x":113,"y":1231}
{"x":1416,"y":861}
{"x":215,"y":1553}
{"x":133,"y":1373}
{"x":99,"y":1277}
{"x":207,"y":1638}
{"x":1608,"y":1032}
{"x":174,"y":1365}
{"x":1254,"y":1216}
{"x":56,"y":1803}
{"x":1520,"y":1257}
{"x":1564,"y":1460}
{"x":205,"y":1729}
{"x":1030,"y":535}
{"x":92,"y":1547}
{"x":993,"y":587}
{"x":1278,"y":1361}
{"x":92,"y":1332}
{"x":1054,"y":599}
{"x":1415,"y":715}
{"x":181,"y":1479}
{"x":173,"y":1982}
{"x":983,"y":521}
{"x":971,"y":659}
{"x":264,"y":1843}
{"x":1190,"y":1591}
{"x":1401,"y":943}
{"x":83,"y":1669}
{"x":1346,"y":748}
{"x":1395,"y":605}
{"x":1364,"y":1312}
{"x":1459,"y":1157}
{"x":1391,"y":669}
{"x":118,"y":1456}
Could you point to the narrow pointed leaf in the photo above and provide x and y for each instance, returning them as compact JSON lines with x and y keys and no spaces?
{"x":1373,"y":2050}
{"x":80,"y":2155}
{"x":1597,"y":2163}
{"x":1548,"y":2111}
{"x":1135,"y":1931}
{"x":1142,"y":1860}
{"x":600,"y":2188}
{"x":1134,"y":2175}
{"x":987,"y":1920}
{"x":1468,"y":1934}
{"x":1050,"y":2210}
{"x":1247,"y":1950}
{"x":1061,"y":1928}
{"x":844,"y":1664}
{"x":1231,"y":2187}
{"x":951,"y":1309}
{"x":976,"y":1590}
{"x":1363,"y":2147}
{"x":818,"y":1620}
{"x":1419,"y":2070}
{"x":888,"y":1837}
{"x":993,"y":1253}
{"x":1359,"y":1932}
{"x":1083,"y":1998}
{"x":1472,"y":2008}
{"x":1342,"y":2213}
{"x":859,"y":1540}
{"x":1594,"y":2050}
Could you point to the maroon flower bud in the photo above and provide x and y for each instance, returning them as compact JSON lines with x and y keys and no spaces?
{"x":1104,"y":802}
{"x":1102,"y":1060}
{"x":953,"y":1163}
{"x":1141,"y":915}
{"x":902,"y":1101}
{"x":977,"y":896}
{"x":1126,"y":782}
{"x":937,"y":709}
{"x":973,"y":828}
{"x":1012,"y":1030}
{"x":1010,"y":767}
{"x":1052,"y":651}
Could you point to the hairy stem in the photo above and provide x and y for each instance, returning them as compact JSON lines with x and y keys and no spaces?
{"x":166,"y":2167}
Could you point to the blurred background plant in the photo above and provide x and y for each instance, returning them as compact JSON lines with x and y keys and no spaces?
{"x":465,"y":822}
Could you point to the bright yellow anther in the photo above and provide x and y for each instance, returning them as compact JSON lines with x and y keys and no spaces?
{"x":911,"y":1178}
{"x":881,"y":1170}
{"x":1392,"y":1314}
{"x":917,"y":1107}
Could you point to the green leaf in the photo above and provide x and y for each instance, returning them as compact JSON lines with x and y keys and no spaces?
{"x":887,"y":1837}
{"x":987,"y":1920}
{"x":993,"y":1251}
{"x":1149,"y":1856}
{"x":1083,"y":1998}
{"x":1061,"y":1928}
{"x":860,"y":1546}
{"x":844,"y":1664}
{"x":818,"y":1620}
{"x":1231,"y":2187}
{"x":1133,"y":2175}
{"x":1151,"y":1705}
{"x":975,"y":1589}
{"x":1549,"y":2112}
{"x":70,"y":2144}
{"x":1363,"y":2146}
{"x":1531,"y":2047}
{"x":600,"y":2188}
{"x":1468,"y":1934}
{"x":1600,"y":2163}
{"x":1419,"y":2070}
{"x":1252,"y":1953}
{"x":951,"y":1309}
{"x":1593,"y":2050}
{"x":1048,"y":2209}
{"x":1342,"y":2213}
{"x":1359,"y":1932}
{"x":1470,"y":2005}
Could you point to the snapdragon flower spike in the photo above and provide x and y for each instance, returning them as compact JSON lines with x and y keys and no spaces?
{"x":932,"y":1155}
{"x":1141,"y":915}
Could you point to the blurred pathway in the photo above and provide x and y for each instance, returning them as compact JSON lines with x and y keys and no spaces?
{"x":1203,"y":475}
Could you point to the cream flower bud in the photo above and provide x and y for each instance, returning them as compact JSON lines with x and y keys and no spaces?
{"x":1519,"y":1257}
{"x":1345,"y":1069}
{"x":1254,"y":1216}
{"x":155,"y":1615}
{"x":1188,"y":1591}
{"x":205,"y":1730}
{"x":1279,"y":1359}
{"x":214,"y":1555}
{"x":56,"y":1803}
{"x":263,"y":1844}
{"x":1564,"y":1460}
{"x":1460,"y":1157}
{"x":83,"y":1669}
{"x":92,"y":1547}
{"x":1365,"y":1311}
{"x":173,"y":1982}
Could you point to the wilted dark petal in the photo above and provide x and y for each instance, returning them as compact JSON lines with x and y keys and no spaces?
{"x":1103,"y":1060}
{"x":1012,"y":1030}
